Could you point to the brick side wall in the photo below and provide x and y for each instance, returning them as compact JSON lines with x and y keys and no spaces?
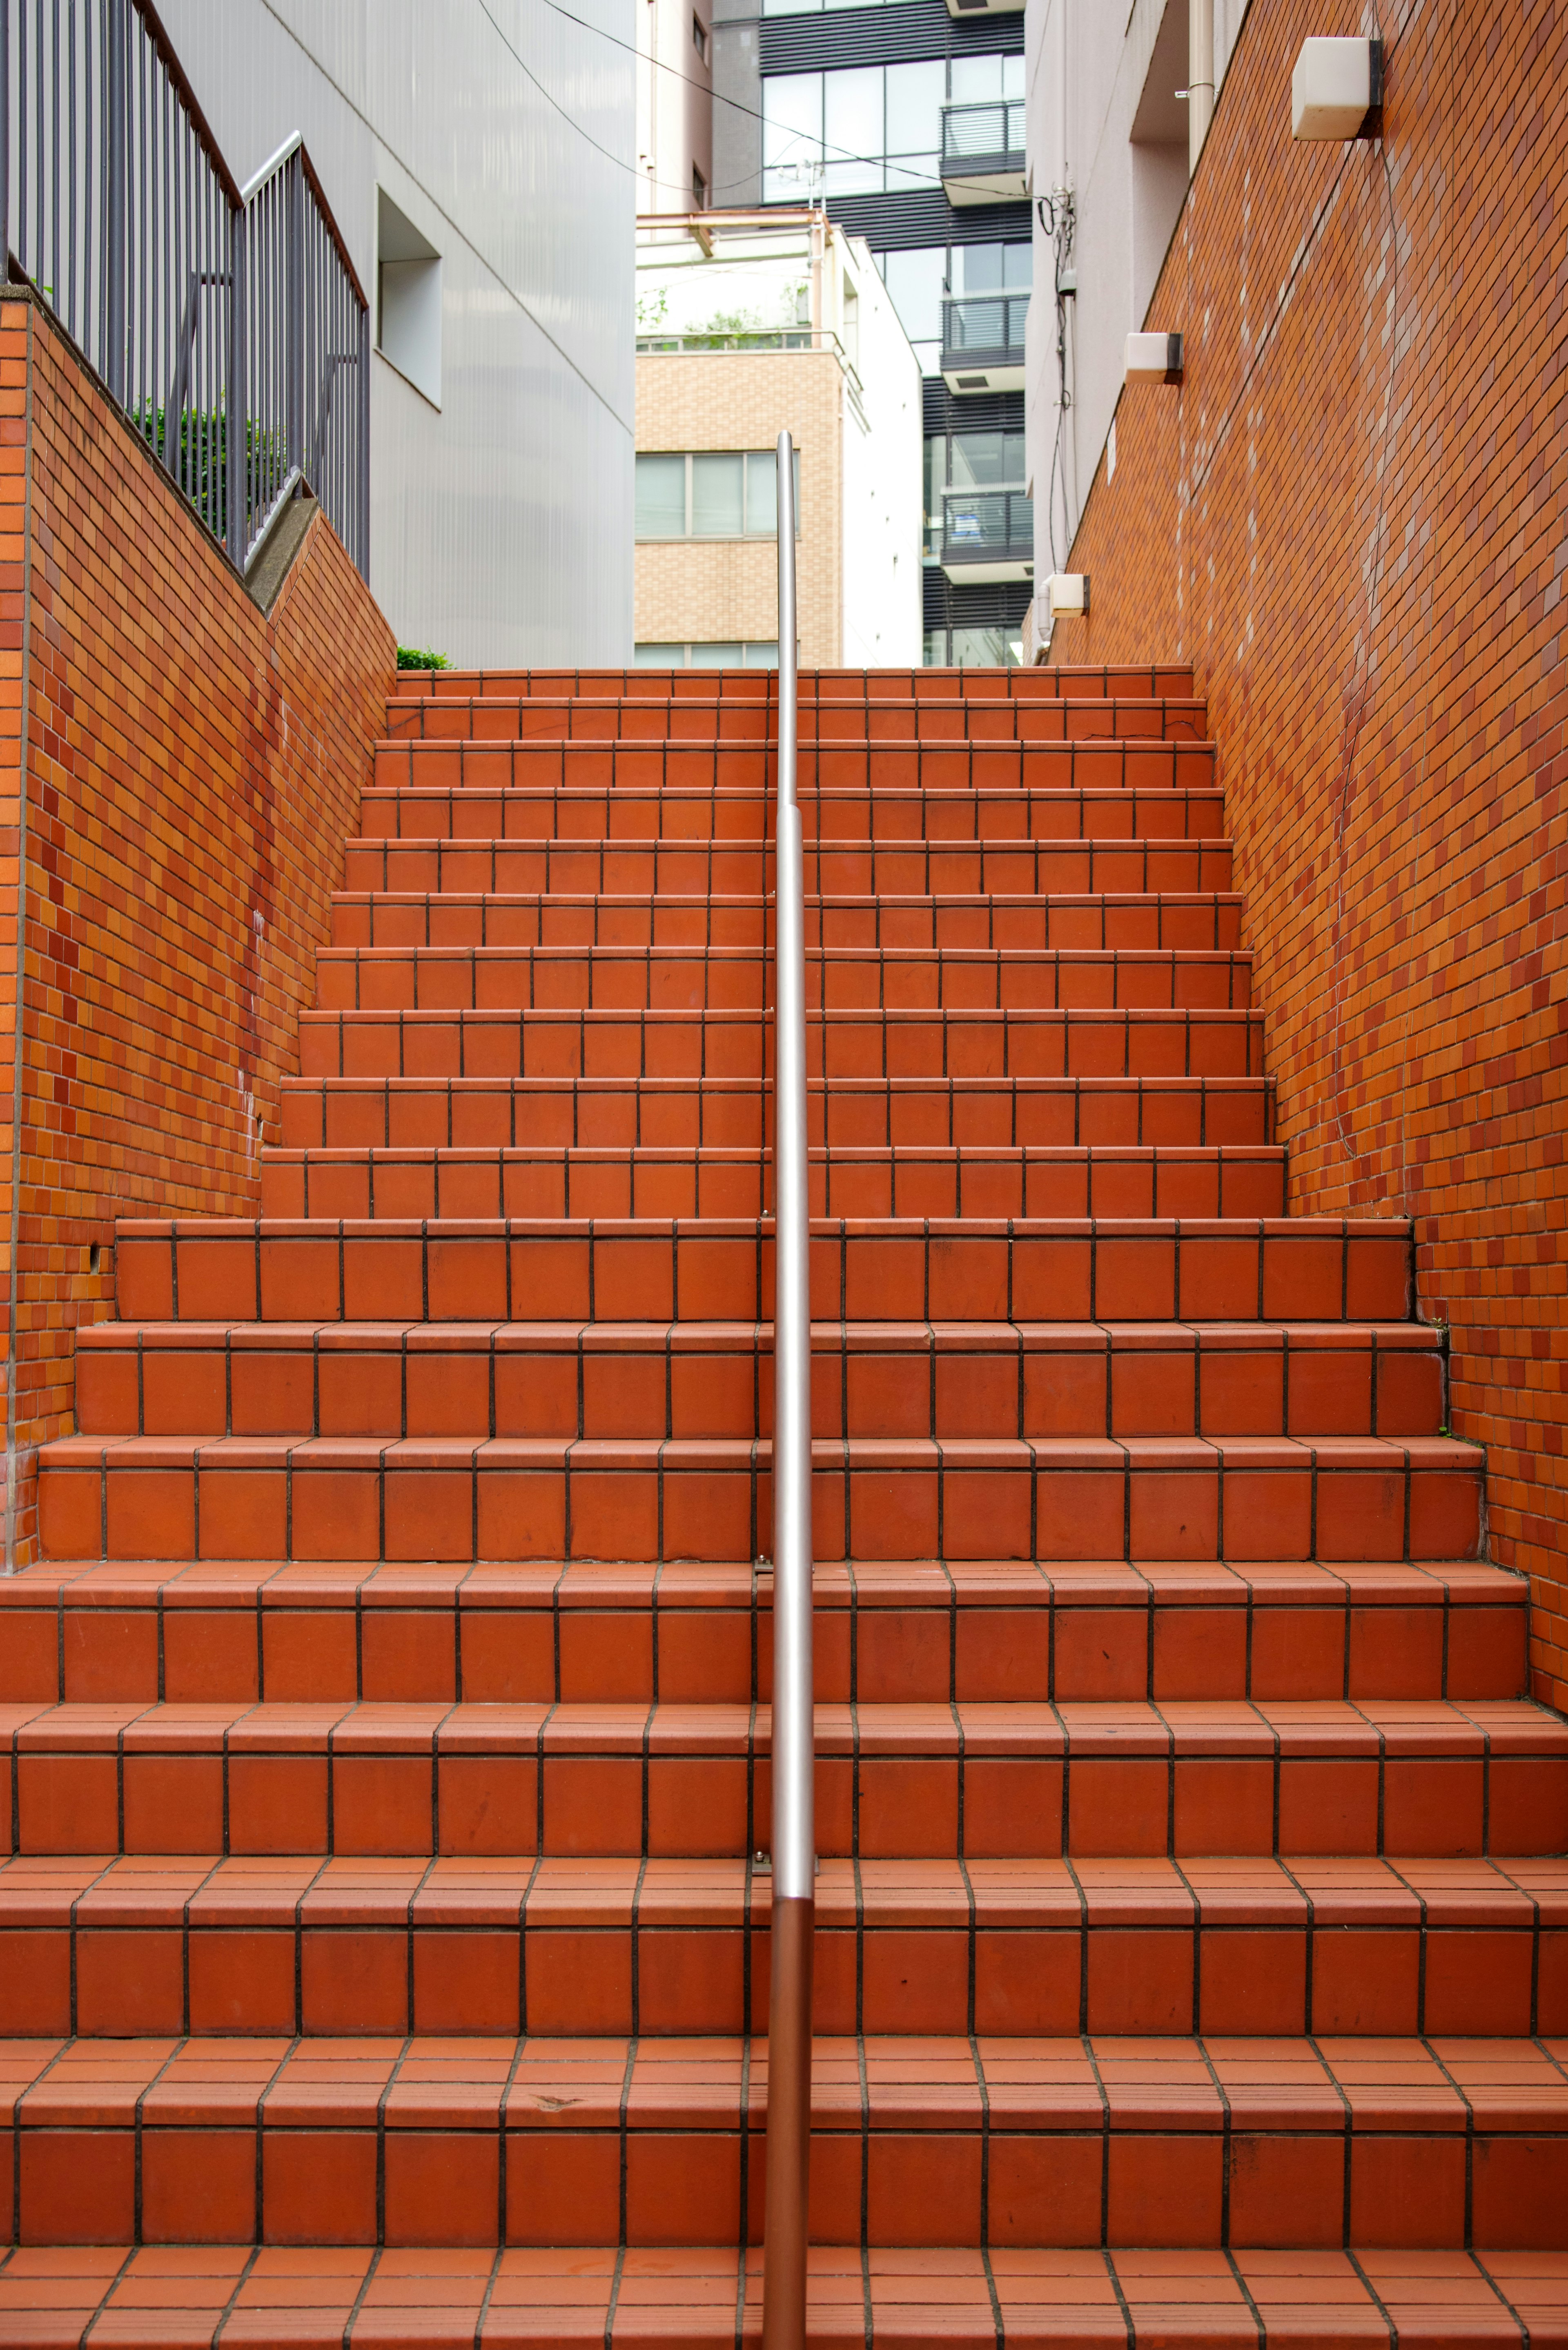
{"x":193,"y":770}
{"x":729,"y":588}
{"x":1351,"y":518}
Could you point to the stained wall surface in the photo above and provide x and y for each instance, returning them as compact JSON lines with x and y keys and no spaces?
{"x":173,"y":816}
{"x":501,"y":519}
{"x":1353,"y":519}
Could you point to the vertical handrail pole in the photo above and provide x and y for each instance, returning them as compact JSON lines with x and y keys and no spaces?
{"x":236,"y":401}
{"x":5,"y":141}
{"x":294,"y":308}
{"x":116,"y":209}
{"x":363,"y":549}
{"x":793,"y":1827}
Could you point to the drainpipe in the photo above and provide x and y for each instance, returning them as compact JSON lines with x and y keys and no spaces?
{"x":1199,"y":77}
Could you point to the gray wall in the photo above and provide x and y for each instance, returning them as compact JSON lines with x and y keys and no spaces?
{"x":501,"y":523}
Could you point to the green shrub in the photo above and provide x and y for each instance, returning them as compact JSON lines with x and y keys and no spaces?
{"x":411,"y":656}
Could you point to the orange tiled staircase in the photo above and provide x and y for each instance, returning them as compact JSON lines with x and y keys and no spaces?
{"x":388,"y":1728}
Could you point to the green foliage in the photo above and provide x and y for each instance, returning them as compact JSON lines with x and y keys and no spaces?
{"x":200,"y":466}
{"x":411,"y":656}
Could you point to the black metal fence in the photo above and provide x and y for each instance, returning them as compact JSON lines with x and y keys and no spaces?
{"x":983,"y":132}
{"x":987,"y":526}
{"x":984,"y":327}
{"x":239,"y":353}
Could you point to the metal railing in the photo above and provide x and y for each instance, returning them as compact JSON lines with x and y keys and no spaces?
{"x":117,"y":206}
{"x":309,"y":337}
{"x":989,"y":132}
{"x":793,"y":1827}
{"x":977,"y":327}
{"x":987,"y":524}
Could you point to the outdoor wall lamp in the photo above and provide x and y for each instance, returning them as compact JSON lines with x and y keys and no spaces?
{"x":1153,"y":358}
{"x":1336,"y":88}
{"x":1067,"y":595}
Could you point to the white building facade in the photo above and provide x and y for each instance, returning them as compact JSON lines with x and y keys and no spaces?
{"x":1110,"y":158}
{"x":481,"y":164}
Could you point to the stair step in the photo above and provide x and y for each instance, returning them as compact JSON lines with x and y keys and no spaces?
{"x":730,"y":813}
{"x":1289,"y":1269}
{"x":1215,"y":1181}
{"x":958,"y":686}
{"x":824,"y":765}
{"x":922,"y":1781}
{"x":692,"y":1378}
{"x":1196,"y":919}
{"x":740,"y":978}
{"x":730,"y":1112}
{"x":333,"y":2299}
{"x":527,"y":1497}
{"x":1108,"y":862}
{"x":900,"y":1632}
{"x":647,"y":717}
{"x":558,"y":1042}
{"x":672,"y":1947}
{"x":1070,"y":2142}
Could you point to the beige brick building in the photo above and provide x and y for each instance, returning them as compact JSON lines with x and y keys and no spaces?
{"x":746,"y":327}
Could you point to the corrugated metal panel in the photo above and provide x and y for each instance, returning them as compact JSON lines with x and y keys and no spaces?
{"x":501,"y":523}
{"x":984,"y":412}
{"x":875,"y":37}
{"x":924,"y":216}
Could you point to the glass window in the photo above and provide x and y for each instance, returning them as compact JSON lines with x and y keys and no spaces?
{"x":659,"y":657}
{"x":662,"y":497}
{"x":852,"y":130}
{"x":763,"y":493}
{"x":915,"y":94}
{"x":985,"y":648}
{"x":976,"y":79}
{"x":977,"y":269}
{"x":1012,"y":76}
{"x":760,"y":656}
{"x":982,"y":461}
{"x":914,"y":281}
{"x":716,"y":656}
{"x":791,"y":134}
{"x":1017,"y":264}
{"x":717,"y":501}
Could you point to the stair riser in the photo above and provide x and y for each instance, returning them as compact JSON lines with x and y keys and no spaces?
{"x":652,"y":1184}
{"x":634,"y":719}
{"x":319,"y":1646}
{"x":391,"y":979}
{"x":1006,"y":868}
{"x":827,"y":766}
{"x":870,"y":1113}
{"x":955,"y":689}
{"x":713,"y":816}
{"x":356,"y":1510}
{"x":1068,"y":2186}
{"x":381,"y":1976}
{"x":1209,"y":923}
{"x":1290,"y":1272}
{"x":385,"y":1802}
{"x":1035,"y":1389}
{"x":893,"y":1045}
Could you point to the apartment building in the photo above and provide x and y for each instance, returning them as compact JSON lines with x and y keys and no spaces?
{"x":486,"y":186}
{"x":748,"y":324}
{"x":906,"y":120}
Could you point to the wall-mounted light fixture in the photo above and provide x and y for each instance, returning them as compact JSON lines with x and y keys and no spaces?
{"x":1067,"y":595}
{"x":1336,"y":88}
{"x":1153,"y":358}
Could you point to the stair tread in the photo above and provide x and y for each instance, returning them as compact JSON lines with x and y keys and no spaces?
{"x":1368,"y":1727}
{"x":1325,"y":1891}
{"x":332,"y":2297}
{"x":1180,"y":1334}
{"x":1346,"y":2085}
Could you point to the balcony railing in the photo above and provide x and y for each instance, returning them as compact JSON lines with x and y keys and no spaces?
{"x":988,"y":534}
{"x":982,"y":341}
{"x":227,"y":324}
{"x":983,"y":160}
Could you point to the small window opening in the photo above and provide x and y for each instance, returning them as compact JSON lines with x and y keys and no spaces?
{"x":408,"y":304}
{"x":700,"y":37}
{"x":698,"y":191}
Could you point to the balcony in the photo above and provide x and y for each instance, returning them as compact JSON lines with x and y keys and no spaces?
{"x":982,"y":341}
{"x":988,"y":537}
{"x":982,"y":153}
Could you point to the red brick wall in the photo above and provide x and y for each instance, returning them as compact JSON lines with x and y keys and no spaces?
{"x":193,"y":770}
{"x":1351,"y":517}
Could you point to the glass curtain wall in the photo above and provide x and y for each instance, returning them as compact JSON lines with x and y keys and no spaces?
{"x":870,"y":129}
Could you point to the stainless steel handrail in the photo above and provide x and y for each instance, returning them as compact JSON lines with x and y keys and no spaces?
{"x":794,"y":1826}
